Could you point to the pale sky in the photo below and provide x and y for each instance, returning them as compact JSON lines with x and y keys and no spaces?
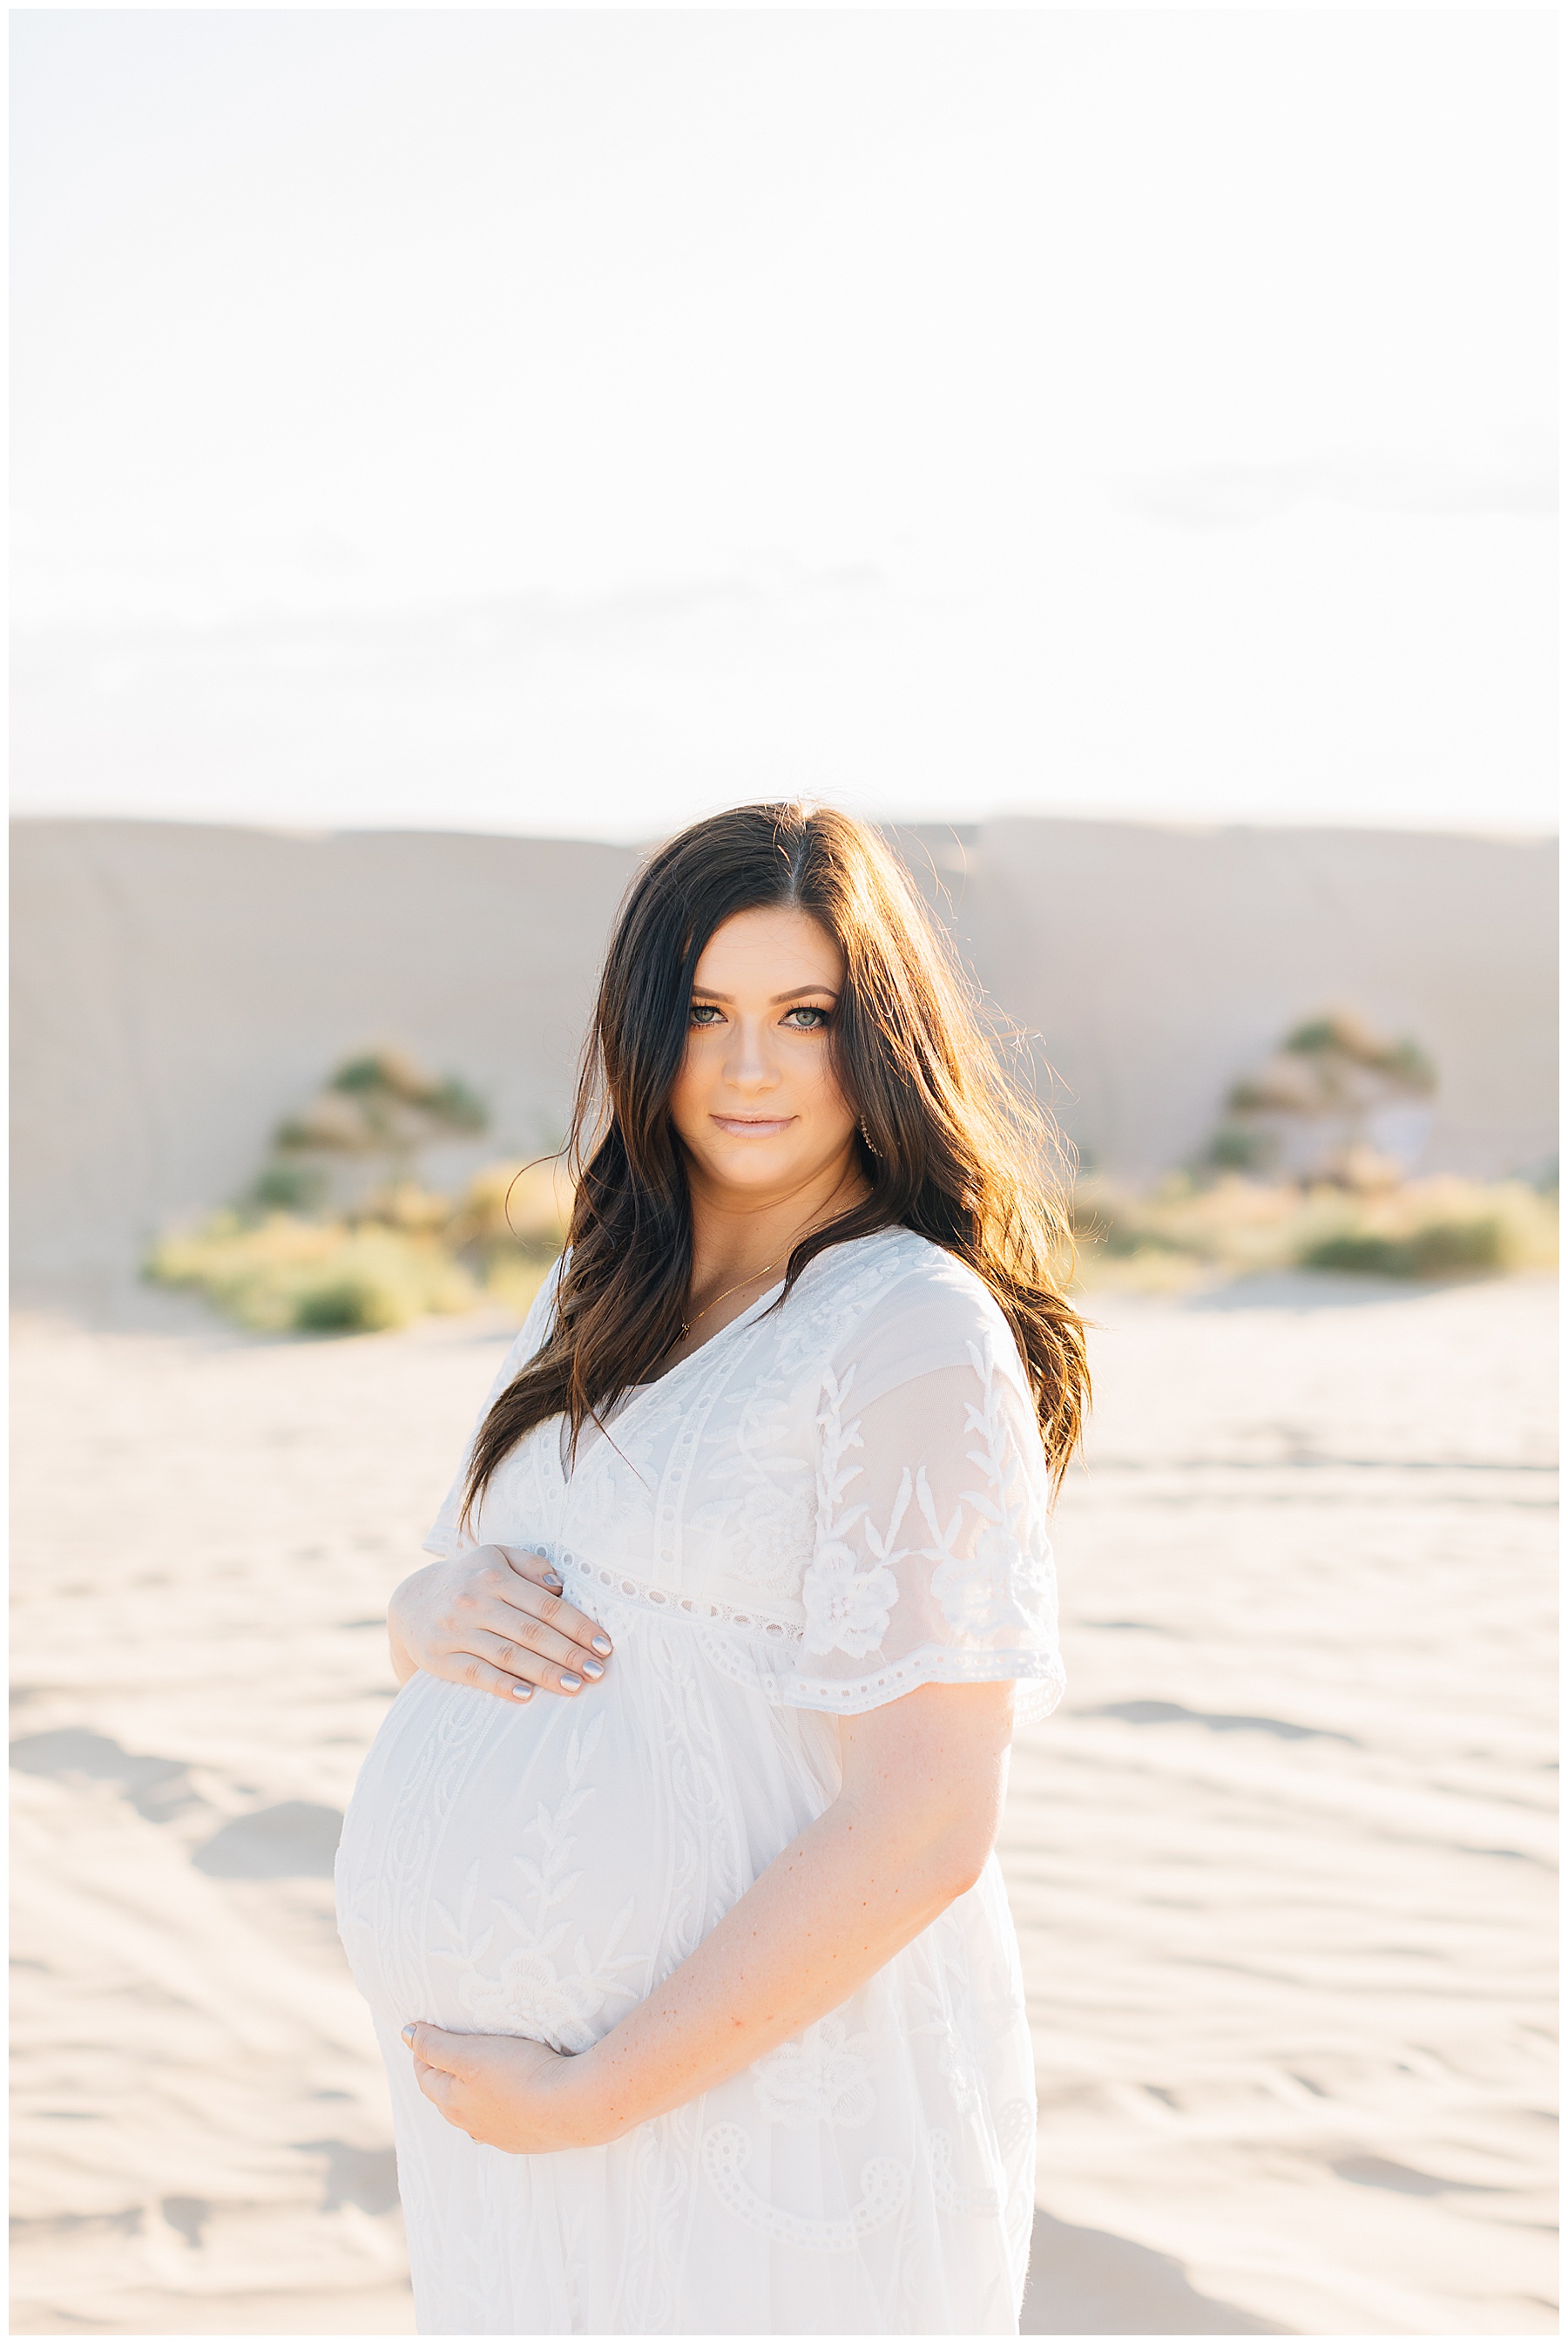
{"x":570,"y":421}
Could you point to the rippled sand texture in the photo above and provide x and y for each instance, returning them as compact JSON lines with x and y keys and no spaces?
{"x":1280,"y":1866}
{"x":1282,"y":1869}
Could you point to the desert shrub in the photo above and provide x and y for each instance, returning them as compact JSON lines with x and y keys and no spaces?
{"x":336,"y":1232}
{"x":454,"y":1105}
{"x":1344,"y":1037}
{"x":405,"y":1205}
{"x":1441,"y":1229}
{"x":402,"y":1253}
{"x":283,"y":1274}
{"x":388,"y":1075}
{"x":1184,"y":1231}
{"x":382,"y":1104}
{"x":290,"y":1188}
{"x":1427,"y":1253}
{"x":509,"y":1227}
{"x":1242,"y":1147}
{"x":355,"y":1300}
{"x":1318,"y":1098}
{"x":339,"y":1304}
{"x":527,"y":1206}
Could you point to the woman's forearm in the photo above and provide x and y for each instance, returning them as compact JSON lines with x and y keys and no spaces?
{"x":909,"y":1832}
{"x":826,"y":1913}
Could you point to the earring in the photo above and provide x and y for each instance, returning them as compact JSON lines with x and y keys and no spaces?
{"x":871,"y":1149}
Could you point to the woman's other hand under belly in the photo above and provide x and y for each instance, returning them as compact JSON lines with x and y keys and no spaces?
{"x":506,"y":2090}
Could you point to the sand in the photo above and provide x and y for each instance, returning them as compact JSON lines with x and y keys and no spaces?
{"x":1280,"y":1865}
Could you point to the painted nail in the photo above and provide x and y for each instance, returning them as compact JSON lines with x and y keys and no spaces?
{"x":553,"y":1581}
{"x":600,"y":1643}
{"x":570,"y":1683}
{"x":407,"y":2034}
{"x":592,"y":1669}
{"x":522,"y":1692}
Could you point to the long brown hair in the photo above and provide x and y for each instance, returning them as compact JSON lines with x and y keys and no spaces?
{"x":953,"y":1146}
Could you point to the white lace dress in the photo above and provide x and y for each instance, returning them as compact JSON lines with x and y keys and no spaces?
{"x":827,"y":1505}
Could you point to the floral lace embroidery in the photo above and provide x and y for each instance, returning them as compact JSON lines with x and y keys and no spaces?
{"x":764,"y":1513}
{"x":1001,"y":1991}
{"x":979,"y":1593}
{"x":951,"y":2196}
{"x":530,"y":1994}
{"x":739,"y":1420}
{"x":709,"y":1876}
{"x":884,"y":2187}
{"x":945,"y":1994}
{"x":662,"y":2158}
{"x":372,"y":1921}
{"x":760,"y":1650}
{"x":822,"y":2077}
{"x":691,"y":1536}
{"x":847,"y":1609}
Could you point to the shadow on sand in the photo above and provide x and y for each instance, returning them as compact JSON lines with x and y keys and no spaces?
{"x":1093,"y":2283}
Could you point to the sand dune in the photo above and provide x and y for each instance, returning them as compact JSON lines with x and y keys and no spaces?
{"x":213,"y":976}
{"x":1281,"y":1866}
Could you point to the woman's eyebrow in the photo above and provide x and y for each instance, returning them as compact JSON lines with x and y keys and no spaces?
{"x":795,"y":992}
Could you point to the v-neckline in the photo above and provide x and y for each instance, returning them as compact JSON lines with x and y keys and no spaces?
{"x":627,"y":1403}
{"x":716,"y":1337}
{"x":847,"y":1244}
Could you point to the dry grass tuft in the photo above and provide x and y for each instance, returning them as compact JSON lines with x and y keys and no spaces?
{"x":282,"y":1274}
{"x":406,"y":1252}
{"x":1187,"y":1232}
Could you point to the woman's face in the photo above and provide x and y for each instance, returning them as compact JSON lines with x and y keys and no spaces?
{"x":757,"y":1102}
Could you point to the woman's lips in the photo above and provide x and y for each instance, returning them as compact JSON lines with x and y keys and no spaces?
{"x":750,"y":1126}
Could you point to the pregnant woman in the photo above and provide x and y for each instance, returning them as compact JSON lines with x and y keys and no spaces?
{"x":668,"y":1877}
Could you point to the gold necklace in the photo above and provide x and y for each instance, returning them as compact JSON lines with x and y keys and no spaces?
{"x":687,"y":1324}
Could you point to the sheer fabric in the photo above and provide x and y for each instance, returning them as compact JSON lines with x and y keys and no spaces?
{"x":832,"y":1501}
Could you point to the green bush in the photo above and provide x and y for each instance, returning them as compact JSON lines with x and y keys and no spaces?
{"x":345,"y":1304}
{"x":1438,"y":1228}
{"x":290,"y":1188}
{"x":1241,"y":1148}
{"x":1440,"y":1249}
{"x":402,"y":1253}
{"x":283,"y":1274}
{"x":284,"y":1259}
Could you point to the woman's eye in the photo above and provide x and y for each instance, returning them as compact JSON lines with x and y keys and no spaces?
{"x":804,"y":1018}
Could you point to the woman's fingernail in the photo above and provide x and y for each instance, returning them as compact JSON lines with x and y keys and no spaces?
{"x":570,"y":1683}
{"x":600,"y":1643}
{"x":407,"y":2034}
{"x":552,"y":1580}
{"x":522,"y":1692}
{"x":592,"y":1669}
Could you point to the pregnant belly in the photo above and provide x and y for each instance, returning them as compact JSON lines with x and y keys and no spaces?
{"x":536,"y":1871}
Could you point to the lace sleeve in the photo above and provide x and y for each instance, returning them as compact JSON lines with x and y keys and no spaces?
{"x":446,"y":1538}
{"x":931,"y":1563}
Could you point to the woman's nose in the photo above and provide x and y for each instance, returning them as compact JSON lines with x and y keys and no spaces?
{"x":750,"y":1065}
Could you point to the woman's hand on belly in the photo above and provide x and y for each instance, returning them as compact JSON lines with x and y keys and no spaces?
{"x":502,"y":2090}
{"x":494,"y":1619}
